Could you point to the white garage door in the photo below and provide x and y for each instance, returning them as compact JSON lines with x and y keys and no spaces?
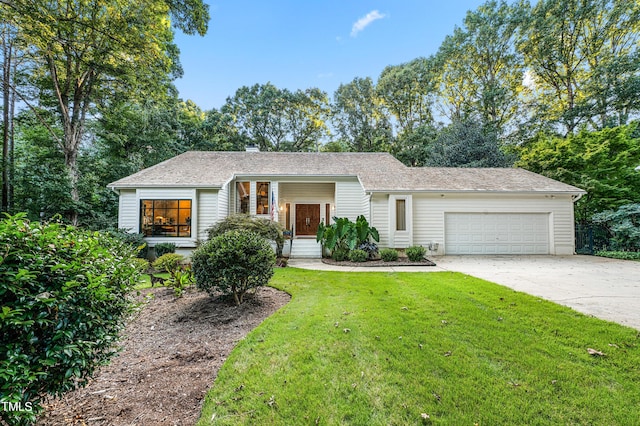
{"x":496,"y":233}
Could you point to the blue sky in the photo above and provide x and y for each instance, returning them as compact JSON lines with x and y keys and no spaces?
{"x":309,"y":43}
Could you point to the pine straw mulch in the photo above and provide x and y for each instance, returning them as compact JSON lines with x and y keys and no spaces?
{"x":172,"y":351}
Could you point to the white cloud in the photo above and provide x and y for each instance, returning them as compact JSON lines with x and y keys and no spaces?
{"x":363,"y":22}
{"x":325,"y":75}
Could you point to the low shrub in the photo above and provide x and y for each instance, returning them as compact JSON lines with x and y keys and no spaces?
{"x":169,"y":262}
{"x":164,"y":248}
{"x":134,"y":240}
{"x":142,"y":265}
{"x":623,"y":255}
{"x":233,"y":263}
{"x":339,"y":254}
{"x":268,"y":229}
{"x":181,"y":279}
{"x":370,"y":248}
{"x":64,"y":296}
{"x":389,"y":254}
{"x":416,"y":253}
{"x":358,"y":255}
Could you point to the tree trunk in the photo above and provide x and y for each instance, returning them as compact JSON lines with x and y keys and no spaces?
{"x":12,"y":162}
{"x":6,"y":79}
{"x":71,"y":164}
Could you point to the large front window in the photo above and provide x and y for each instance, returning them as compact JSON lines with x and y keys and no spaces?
{"x":262,"y":197}
{"x":243,"y":196}
{"x":165,"y":218}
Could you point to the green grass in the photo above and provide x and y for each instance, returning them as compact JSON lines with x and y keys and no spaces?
{"x":383,"y":348}
{"x":145,"y":280}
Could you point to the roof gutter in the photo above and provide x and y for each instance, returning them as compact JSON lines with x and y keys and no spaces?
{"x":474,"y":191}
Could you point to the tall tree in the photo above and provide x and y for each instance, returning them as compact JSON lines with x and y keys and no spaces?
{"x":583,"y":56}
{"x":482,"y":72}
{"x":466,"y":144}
{"x":408,"y":91}
{"x":88,"y":52}
{"x":360,"y":117}
{"x":7,"y":46}
{"x":278,"y":119}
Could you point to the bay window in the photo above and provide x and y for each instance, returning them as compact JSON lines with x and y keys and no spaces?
{"x":165,"y":218}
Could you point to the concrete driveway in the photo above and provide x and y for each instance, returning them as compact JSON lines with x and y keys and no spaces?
{"x":605,"y":288}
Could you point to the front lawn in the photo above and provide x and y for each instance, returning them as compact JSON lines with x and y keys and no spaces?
{"x":424,"y":348}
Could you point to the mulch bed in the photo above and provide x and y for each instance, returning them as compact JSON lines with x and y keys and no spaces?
{"x":402,"y":261}
{"x":172,"y":351}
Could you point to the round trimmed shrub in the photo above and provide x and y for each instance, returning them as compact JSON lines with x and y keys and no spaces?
{"x":416,"y":253}
{"x":169,"y":262}
{"x":268,"y":229}
{"x":63,"y":301}
{"x":389,"y":254}
{"x":358,"y":255}
{"x":233,"y":263}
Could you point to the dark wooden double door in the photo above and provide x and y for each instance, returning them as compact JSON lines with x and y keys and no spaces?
{"x":307,"y":219}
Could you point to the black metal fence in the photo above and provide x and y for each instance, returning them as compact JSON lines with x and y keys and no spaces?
{"x":591,"y":238}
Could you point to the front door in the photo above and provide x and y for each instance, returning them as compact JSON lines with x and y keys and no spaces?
{"x":307,"y":219}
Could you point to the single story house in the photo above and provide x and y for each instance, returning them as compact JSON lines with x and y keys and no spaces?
{"x":448,"y":210}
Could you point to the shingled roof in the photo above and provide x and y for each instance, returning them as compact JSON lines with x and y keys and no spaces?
{"x":376,"y":172}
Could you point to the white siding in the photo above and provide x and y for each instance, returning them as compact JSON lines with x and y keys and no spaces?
{"x":208,"y":211}
{"x":429,"y":215}
{"x":350,"y":199}
{"x":129,"y":211}
{"x":224,"y":202}
{"x":380,"y":217}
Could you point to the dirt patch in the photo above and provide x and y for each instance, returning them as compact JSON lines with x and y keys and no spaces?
{"x":171,"y":355}
{"x":402,"y":261}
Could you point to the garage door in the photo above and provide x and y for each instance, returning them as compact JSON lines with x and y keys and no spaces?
{"x":496,"y":233}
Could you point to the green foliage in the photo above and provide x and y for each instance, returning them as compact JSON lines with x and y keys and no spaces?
{"x":181,"y":279}
{"x":278,"y":119}
{"x":407,"y":91}
{"x":64,"y":299}
{"x":164,"y":248}
{"x":623,"y":255}
{"x":602,"y":163}
{"x":266,"y":228}
{"x":583,"y":57}
{"x":359,"y":117}
{"x":481,"y":71}
{"x":415,"y":253}
{"x":233,"y":263}
{"x":169,"y":262}
{"x":389,"y":254}
{"x":358,"y":255}
{"x":465,"y":143}
{"x":623,"y":226}
{"x":340,"y":254}
{"x":343,"y":235}
{"x":142,"y":265}
{"x":135,"y":240}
